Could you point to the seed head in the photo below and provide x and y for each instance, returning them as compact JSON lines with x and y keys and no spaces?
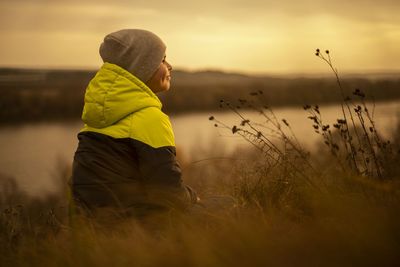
{"x":234,"y":129}
{"x":313,"y":118}
{"x":243,"y":123}
{"x":358,"y":92}
{"x":316,"y":109}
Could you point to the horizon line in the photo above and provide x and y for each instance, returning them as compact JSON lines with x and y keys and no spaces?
{"x":224,"y":71}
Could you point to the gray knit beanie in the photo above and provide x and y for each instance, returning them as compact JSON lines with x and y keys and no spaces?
{"x":138,"y":51}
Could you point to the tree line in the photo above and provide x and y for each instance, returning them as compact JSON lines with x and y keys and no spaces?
{"x":36,"y":95}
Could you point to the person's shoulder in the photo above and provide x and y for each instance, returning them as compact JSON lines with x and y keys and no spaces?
{"x":152,"y":113}
{"x":153,"y":127}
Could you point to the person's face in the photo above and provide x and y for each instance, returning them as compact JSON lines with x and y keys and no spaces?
{"x":160,"y":81}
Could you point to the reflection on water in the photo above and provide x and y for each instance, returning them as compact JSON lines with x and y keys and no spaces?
{"x":31,"y":152}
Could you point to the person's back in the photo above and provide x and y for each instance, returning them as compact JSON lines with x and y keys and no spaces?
{"x":126,"y":158}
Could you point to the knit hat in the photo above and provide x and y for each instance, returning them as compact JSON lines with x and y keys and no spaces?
{"x":138,"y":51}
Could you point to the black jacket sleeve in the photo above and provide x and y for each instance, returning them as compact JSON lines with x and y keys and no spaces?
{"x":161,"y":171}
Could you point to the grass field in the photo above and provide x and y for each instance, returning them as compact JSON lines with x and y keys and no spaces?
{"x":336,"y":207}
{"x":339,"y":219}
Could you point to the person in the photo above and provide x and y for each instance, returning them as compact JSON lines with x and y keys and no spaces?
{"x":126,"y":156}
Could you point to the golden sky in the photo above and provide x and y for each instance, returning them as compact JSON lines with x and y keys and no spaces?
{"x":251,"y":36}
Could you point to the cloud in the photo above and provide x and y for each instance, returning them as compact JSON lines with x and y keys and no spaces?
{"x":65,"y":17}
{"x":86,"y":15}
{"x":233,"y":34}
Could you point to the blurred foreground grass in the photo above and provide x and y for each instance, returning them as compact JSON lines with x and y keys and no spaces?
{"x":348,"y":221}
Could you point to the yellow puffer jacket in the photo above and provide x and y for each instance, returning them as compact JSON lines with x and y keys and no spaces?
{"x":119,"y":105}
{"x":126,"y":156}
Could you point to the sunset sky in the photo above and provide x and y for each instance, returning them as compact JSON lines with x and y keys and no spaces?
{"x":252,"y":36}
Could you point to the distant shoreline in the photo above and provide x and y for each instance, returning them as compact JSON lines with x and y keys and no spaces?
{"x":36,"y":95}
{"x":368,"y":74}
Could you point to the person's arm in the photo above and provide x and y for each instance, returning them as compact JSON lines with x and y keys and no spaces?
{"x":161,"y":172}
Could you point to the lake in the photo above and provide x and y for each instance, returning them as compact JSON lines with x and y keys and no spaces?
{"x":33,"y":153}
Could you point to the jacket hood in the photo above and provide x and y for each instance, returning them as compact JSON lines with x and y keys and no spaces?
{"x":113,"y":94}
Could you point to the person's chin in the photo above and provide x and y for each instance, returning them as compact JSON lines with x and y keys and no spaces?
{"x":163,"y":89}
{"x":167,"y":86}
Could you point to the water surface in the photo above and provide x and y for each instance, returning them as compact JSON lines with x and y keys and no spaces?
{"x":33,"y":153}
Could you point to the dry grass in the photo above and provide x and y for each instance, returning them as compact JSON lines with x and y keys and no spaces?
{"x":352,"y":221}
{"x":293,"y":209}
